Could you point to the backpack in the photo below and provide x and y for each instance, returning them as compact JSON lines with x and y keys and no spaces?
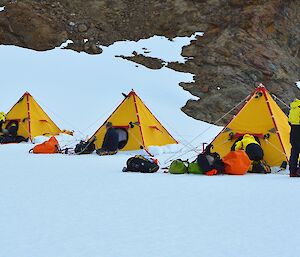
{"x":178,"y":167}
{"x":208,"y":160}
{"x":194,"y":168}
{"x":11,"y":139}
{"x":139,"y":163}
{"x":48,"y":147}
{"x":236,"y":163}
{"x":204,"y":163}
{"x":260,"y":167}
{"x":85,"y":147}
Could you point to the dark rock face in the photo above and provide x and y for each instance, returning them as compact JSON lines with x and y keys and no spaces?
{"x":149,"y":62}
{"x":29,"y":26}
{"x":244,"y":42}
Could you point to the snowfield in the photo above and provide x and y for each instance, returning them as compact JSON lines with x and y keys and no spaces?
{"x":80,"y":206}
{"x":77,"y":206}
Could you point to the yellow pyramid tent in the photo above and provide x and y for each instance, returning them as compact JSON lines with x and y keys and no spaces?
{"x":261,"y":117}
{"x":33,"y":121}
{"x":137,"y":126}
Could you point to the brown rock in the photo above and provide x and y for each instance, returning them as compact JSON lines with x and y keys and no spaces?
{"x":149,"y":62}
{"x":82,"y":28}
{"x":204,"y":89}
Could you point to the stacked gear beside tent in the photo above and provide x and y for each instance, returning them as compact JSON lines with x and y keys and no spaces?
{"x":182,"y":167}
{"x":206,"y":163}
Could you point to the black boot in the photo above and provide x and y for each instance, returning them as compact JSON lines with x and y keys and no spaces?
{"x":295,"y":174}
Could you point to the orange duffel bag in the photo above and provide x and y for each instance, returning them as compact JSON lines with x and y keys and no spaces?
{"x":236,"y":163}
{"x":48,"y":147}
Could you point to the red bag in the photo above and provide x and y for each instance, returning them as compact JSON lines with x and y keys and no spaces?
{"x":236,"y":163}
{"x":48,"y":147}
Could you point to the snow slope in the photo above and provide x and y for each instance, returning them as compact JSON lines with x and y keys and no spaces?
{"x":78,"y":206}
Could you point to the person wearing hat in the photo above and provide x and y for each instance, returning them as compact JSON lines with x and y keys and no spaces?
{"x":294,"y":121}
{"x":110,"y":142}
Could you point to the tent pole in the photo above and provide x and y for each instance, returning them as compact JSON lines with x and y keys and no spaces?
{"x":144,"y":148}
{"x":138,"y":118}
{"x":274,"y":122}
{"x":28,"y":115}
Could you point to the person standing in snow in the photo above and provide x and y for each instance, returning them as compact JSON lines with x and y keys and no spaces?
{"x":111,"y":141}
{"x":294,"y":121}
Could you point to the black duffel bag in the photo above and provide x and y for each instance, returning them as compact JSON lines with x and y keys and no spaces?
{"x":11,"y":139}
{"x":142,"y":164}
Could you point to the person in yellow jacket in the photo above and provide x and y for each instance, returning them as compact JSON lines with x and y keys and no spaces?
{"x":251,"y":146}
{"x":294,"y":121}
{"x":2,"y":120}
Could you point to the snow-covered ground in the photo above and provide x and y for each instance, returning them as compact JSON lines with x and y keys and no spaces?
{"x":78,"y":206}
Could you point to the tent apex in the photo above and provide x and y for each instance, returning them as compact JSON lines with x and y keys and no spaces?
{"x":261,"y":85}
{"x":132,"y":92}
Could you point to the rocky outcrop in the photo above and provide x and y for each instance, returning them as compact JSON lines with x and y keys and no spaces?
{"x":30,"y":26}
{"x":244,"y":42}
{"x":258,"y":42}
{"x":149,"y":62}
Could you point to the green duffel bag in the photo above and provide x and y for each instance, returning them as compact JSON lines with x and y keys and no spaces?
{"x":178,"y":167}
{"x":194,"y":168}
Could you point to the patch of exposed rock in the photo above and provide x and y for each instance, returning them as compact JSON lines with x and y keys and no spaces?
{"x":149,"y":62}
{"x":244,"y":42}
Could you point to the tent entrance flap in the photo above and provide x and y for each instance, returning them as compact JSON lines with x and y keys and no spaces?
{"x":123,"y":137}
